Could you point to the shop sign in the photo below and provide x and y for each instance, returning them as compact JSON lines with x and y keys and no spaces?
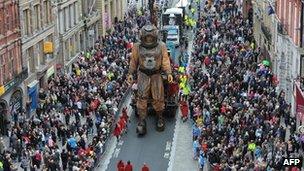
{"x":48,"y":47}
{"x":50,"y":71}
{"x":10,"y":84}
{"x":2,"y":90}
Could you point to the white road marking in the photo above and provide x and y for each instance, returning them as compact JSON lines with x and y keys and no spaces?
{"x":168,"y":146}
{"x":167,"y":155}
{"x":116,"y":153}
{"x":120,"y":143}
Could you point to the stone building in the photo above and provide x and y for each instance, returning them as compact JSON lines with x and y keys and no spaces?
{"x":38,"y":28}
{"x":111,"y":10}
{"x":77,"y":29}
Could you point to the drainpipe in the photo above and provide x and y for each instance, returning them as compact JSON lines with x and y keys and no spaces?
{"x":301,"y":25}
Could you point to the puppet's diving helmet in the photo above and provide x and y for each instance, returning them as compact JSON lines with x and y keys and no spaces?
{"x":149,"y":36}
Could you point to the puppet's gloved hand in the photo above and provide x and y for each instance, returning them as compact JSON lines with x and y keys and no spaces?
{"x":129,"y":79}
{"x":170,"y":78}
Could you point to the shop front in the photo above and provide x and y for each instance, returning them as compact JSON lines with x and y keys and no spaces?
{"x":3,"y":117}
{"x":299,"y":103}
{"x":32,"y":96}
{"x":15,"y":104}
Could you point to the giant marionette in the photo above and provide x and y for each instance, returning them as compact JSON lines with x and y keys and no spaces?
{"x":148,"y":60}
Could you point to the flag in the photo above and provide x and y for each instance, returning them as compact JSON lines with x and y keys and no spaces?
{"x":270,"y":10}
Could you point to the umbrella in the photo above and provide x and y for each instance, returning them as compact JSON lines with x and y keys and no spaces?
{"x":266,"y":62}
{"x":36,"y":120}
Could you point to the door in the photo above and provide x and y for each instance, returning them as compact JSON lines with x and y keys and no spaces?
{"x":2,"y":118}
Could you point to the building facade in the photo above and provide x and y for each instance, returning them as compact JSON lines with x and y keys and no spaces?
{"x":288,"y":22}
{"x":264,"y":32}
{"x":77,"y":25}
{"x":111,"y":11}
{"x":12,"y":68}
{"x":91,"y":20}
{"x":38,"y":31}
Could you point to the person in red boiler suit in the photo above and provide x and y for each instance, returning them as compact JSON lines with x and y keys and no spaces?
{"x":145,"y":167}
{"x":129,"y":166}
{"x":120,"y":166}
{"x":117,"y":131}
{"x":184,"y":110}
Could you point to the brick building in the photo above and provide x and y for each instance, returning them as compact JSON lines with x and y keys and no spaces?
{"x":12,"y":68}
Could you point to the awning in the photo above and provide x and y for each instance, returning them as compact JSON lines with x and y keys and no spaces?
{"x":33,"y":83}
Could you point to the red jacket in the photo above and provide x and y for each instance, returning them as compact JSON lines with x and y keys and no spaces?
{"x":145,"y":168}
{"x":129,"y":167}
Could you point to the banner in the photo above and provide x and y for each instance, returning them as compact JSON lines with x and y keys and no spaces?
{"x":299,"y":102}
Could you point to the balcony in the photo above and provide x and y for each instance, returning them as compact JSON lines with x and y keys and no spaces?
{"x":18,"y":79}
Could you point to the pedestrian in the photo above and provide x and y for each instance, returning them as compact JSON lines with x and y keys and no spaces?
{"x":64,"y":159}
{"x":201,"y":161}
{"x":145,"y":167}
{"x":120,"y":166}
{"x":129,"y":166}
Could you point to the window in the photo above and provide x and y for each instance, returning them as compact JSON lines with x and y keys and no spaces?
{"x":1,"y":69}
{"x":48,"y":11}
{"x":67,"y":10}
{"x":40,"y":53}
{"x":2,"y":25}
{"x":66,"y":50}
{"x":27,"y":22}
{"x":46,"y":17}
{"x":7,"y":18}
{"x":4,"y":69}
{"x":302,"y":66}
{"x":75,"y":13}
{"x":66,"y":19}
{"x":37,"y":17}
{"x":11,"y":68}
{"x":77,"y":43}
{"x":31,"y":59}
{"x":71,"y":20}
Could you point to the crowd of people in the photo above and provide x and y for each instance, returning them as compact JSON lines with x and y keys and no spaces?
{"x":76,"y":110}
{"x":241,"y":121}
